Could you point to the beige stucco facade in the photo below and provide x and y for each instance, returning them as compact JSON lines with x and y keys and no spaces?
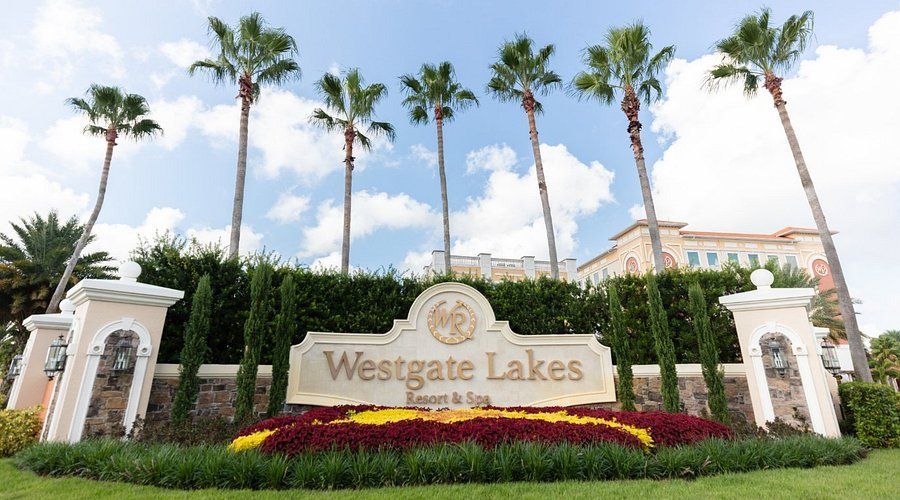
{"x":631,"y":251}
{"x":486,"y":266}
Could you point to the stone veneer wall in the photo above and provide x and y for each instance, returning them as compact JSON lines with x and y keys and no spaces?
{"x":106,"y":412}
{"x":217,"y":395}
{"x":786,"y":389}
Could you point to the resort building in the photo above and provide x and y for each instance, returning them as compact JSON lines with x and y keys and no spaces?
{"x":498,"y":269}
{"x":631,"y":251}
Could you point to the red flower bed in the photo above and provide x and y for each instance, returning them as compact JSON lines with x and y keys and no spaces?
{"x":333,"y":427}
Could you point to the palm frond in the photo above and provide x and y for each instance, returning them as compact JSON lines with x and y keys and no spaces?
{"x":384,"y":129}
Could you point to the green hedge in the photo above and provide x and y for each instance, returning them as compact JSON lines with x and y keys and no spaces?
{"x":18,"y":429}
{"x":872,"y":412}
{"x":198,"y":467}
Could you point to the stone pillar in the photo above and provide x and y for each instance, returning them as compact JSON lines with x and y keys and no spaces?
{"x":437,"y":262}
{"x":484,"y":262}
{"x":778,"y":318}
{"x":108,"y":314}
{"x":528,"y":264}
{"x":29,"y":387}
{"x":571,"y":267}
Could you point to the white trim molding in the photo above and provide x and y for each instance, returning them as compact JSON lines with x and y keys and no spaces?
{"x":173,"y":370}
{"x":126,"y":292}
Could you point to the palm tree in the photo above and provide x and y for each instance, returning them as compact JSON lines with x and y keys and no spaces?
{"x":352,"y":105}
{"x":112,"y":113}
{"x":758,"y":52}
{"x":519,"y":74}
{"x":251,"y":54}
{"x":626,"y":65}
{"x":885,"y":350}
{"x":435,"y":90}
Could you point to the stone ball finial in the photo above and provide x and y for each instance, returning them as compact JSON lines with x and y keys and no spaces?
{"x":762,"y":278}
{"x":129,"y":271}
{"x":67,"y":307}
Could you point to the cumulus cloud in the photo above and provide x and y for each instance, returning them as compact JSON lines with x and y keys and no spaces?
{"x":371,"y":212}
{"x":288,"y":208}
{"x":251,"y":241}
{"x":184,"y":52}
{"x":727,"y":165}
{"x":507,"y":219}
{"x":421,"y":154}
{"x":120,"y":239}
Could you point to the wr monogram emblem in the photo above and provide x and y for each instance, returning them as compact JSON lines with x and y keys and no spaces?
{"x":451,"y":325}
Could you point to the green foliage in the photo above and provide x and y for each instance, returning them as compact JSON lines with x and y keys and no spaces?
{"x":194,"y":351}
{"x":286,"y":327}
{"x":665,"y":348}
{"x":255,"y":333}
{"x":435,"y":88}
{"x":197,"y":467}
{"x":885,"y":356}
{"x":709,"y":356}
{"x":619,"y":339}
{"x":192,"y":432}
{"x":520,"y":71}
{"x":873,"y":413}
{"x":352,"y":105}
{"x":114,"y":113}
{"x":18,"y":429}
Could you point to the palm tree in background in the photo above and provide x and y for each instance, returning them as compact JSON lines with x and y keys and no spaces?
{"x":436,"y":92}
{"x":758,"y":52}
{"x":352,"y":106}
{"x":626,"y":65}
{"x":518,"y":75}
{"x":250,"y":55}
{"x":112,"y":113}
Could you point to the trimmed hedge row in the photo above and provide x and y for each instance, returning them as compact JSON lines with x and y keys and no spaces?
{"x":872,"y":412}
{"x":172,"y":466}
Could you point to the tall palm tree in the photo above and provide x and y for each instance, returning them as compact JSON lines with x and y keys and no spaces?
{"x":251,"y":54}
{"x":352,"y":105}
{"x":112,"y":113}
{"x":758,"y":52}
{"x":626,"y":64}
{"x":436,"y":92}
{"x":518,"y":75}
{"x":32,"y":259}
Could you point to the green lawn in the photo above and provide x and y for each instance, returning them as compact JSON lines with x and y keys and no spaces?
{"x":874,"y":477}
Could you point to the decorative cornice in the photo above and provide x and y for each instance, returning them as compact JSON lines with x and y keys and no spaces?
{"x":48,"y":322}
{"x":768,"y":298}
{"x":688,"y":370}
{"x":171,"y":370}
{"x":126,"y":292}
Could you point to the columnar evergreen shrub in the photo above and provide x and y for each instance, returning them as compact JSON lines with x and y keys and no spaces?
{"x":255,"y":330}
{"x":18,"y":429}
{"x":285,"y":330}
{"x":618,"y":336}
{"x":709,"y":356}
{"x":665,"y":349}
{"x":193,"y":353}
{"x":872,"y":411}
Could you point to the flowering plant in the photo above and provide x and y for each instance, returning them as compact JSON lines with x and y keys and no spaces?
{"x":372,"y":427}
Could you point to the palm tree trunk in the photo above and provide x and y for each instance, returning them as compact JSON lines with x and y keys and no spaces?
{"x":237,"y":211}
{"x":88,"y":227}
{"x":349,"y":136}
{"x":439,"y":119}
{"x":631,"y":105}
{"x":528,"y":104}
{"x":845,"y":302}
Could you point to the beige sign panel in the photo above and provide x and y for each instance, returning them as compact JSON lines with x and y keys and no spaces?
{"x":450,"y":352}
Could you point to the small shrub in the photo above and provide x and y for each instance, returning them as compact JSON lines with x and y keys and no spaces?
{"x":200,"y":430}
{"x":18,"y":429}
{"x":872,"y":412}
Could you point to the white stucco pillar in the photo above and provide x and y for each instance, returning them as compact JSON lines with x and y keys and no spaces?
{"x":103,"y":307}
{"x":29,"y":388}
{"x":484,"y":263}
{"x":781,"y":311}
{"x":437,"y":262}
{"x":571,"y":268}
{"x":528,"y":265}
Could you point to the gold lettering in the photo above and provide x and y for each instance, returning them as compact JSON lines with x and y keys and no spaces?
{"x":534,"y":368}
{"x":465,"y":370}
{"x":398,"y":364}
{"x":575,"y":370}
{"x":516,"y":370}
{"x":384,"y":370}
{"x":435,"y":370}
{"x":555,"y":369}
{"x":344,"y":364}
{"x":491,"y":376}
{"x":365,"y":368}
{"x":451,"y":364}
{"x":410,"y":397}
{"x":414,"y":381}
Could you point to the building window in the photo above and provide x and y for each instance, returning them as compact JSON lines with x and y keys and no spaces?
{"x":605,"y":273}
{"x":712,"y":258}
{"x":596,"y":278}
{"x":753,"y":258}
{"x":733,"y":258}
{"x":773,"y":259}
{"x":792,"y":261}
{"x":693,"y":259}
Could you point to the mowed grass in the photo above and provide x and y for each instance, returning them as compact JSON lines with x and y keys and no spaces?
{"x":873,"y":477}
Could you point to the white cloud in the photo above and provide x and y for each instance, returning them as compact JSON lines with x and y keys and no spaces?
{"x":120,"y":239}
{"x":728,"y":165}
{"x":507,"y":219}
{"x":288,"y":208}
{"x":371,"y":212}
{"x":414,"y":262}
{"x":77,"y":151}
{"x":184,"y":52}
{"x":494,"y":158}
{"x":14,"y":137}
{"x":251,"y":241}
{"x":175,"y":117}
{"x":422,"y":154}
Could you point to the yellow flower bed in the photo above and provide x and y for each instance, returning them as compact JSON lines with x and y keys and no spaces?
{"x":250,"y":441}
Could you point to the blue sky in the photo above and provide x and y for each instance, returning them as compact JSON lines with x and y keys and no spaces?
{"x":54,"y":49}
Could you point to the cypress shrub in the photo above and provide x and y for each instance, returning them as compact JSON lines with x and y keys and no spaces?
{"x":285,"y":331}
{"x":620,"y":345}
{"x":872,"y":411}
{"x":194,"y":352}
{"x":709,"y":356}
{"x":255,"y":330}
{"x":665,"y":349}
